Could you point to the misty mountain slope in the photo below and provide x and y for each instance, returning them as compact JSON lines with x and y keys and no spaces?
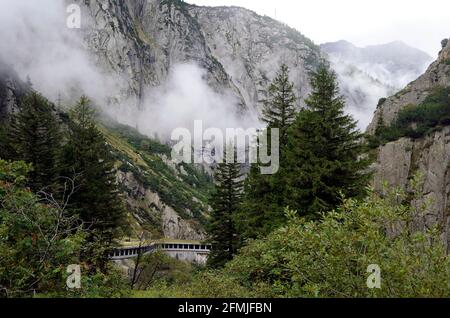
{"x":240,"y":50}
{"x":428,"y":154}
{"x":143,"y":40}
{"x":394,"y":64}
{"x":370,"y":73}
{"x":252,"y":47}
{"x":415,"y":92}
{"x":11,"y":90}
{"x":162,"y":199}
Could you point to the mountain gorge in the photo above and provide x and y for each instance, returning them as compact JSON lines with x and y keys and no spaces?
{"x":137,"y":44}
{"x":345,"y":194}
{"x":133,"y":47}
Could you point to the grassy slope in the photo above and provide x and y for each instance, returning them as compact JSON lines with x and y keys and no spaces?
{"x":147,"y":160}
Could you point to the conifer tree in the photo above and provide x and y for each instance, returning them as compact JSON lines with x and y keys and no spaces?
{"x":86,"y":155}
{"x":279,"y":107}
{"x":34,"y":137}
{"x":225,"y":202}
{"x":4,"y":143}
{"x":261,"y":210}
{"x":325,"y":152}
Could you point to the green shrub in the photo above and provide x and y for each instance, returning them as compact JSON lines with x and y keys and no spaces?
{"x":330,"y":258}
{"x":416,"y":121}
{"x":38,"y":240}
{"x":33,"y":237}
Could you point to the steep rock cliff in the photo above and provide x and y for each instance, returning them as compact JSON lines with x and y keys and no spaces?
{"x":241,"y":51}
{"x":252,"y":47}
{"x":11,"y":90}
{"x":399,"y":161}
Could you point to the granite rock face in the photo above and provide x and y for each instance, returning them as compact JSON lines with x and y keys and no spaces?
{"x":240,"y":50}
{"x":252,"y":47}
{"x":399,"y":161}
{"x":138,"y":42}
{"x":11,"y":90}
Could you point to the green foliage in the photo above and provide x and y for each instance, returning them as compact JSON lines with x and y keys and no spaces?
{"x":323,"y":157}
{"x":330,"y":257}
{"x":261,"y":210}
{"x":325,"y":152}
{"x":4,"y":144}
{"x":158,"y":269}
{"x":112,"y":284}
{"x":35,"y":138}
{"x":279,"y":107}
{"x":444,"y":43}
{"x":416,"y":121}
{"x":225,"y":203}
{"x":139,"y":141}
{"x":38,"y":239}
{"x":182,"y":191}
{"x":88,"y":159}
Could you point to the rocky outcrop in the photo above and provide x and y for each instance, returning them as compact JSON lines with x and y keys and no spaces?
{"x":438,"y":74}
{"x":178,"y":228}
{"x":141,"y":40}
{"x":251,"y":48}
{"x":11,"y":90}
{"x":429,"y":157}
{"x":400,"y":161}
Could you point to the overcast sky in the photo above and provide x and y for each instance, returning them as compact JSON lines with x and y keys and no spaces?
{"x":419,"y":23}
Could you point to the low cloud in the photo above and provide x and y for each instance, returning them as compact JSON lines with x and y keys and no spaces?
{"x":182,"y":99}
{"x":37,"y":43}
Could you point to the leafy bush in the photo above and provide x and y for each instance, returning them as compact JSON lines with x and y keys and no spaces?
{"x":38,"y":240}
{"x":34,"y":239}
{"x":330,"y":258}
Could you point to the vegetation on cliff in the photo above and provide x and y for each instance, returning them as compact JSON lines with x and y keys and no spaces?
{"x":416,"y":121}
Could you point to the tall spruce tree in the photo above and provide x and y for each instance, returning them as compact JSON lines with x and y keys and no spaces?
{"x":279,"y":107}
{"x":87,"y":156}
{"x":34,"y":137}
{"x":225,"y":202}
{"x":261,"y":210}
{"x":325,"y":153}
